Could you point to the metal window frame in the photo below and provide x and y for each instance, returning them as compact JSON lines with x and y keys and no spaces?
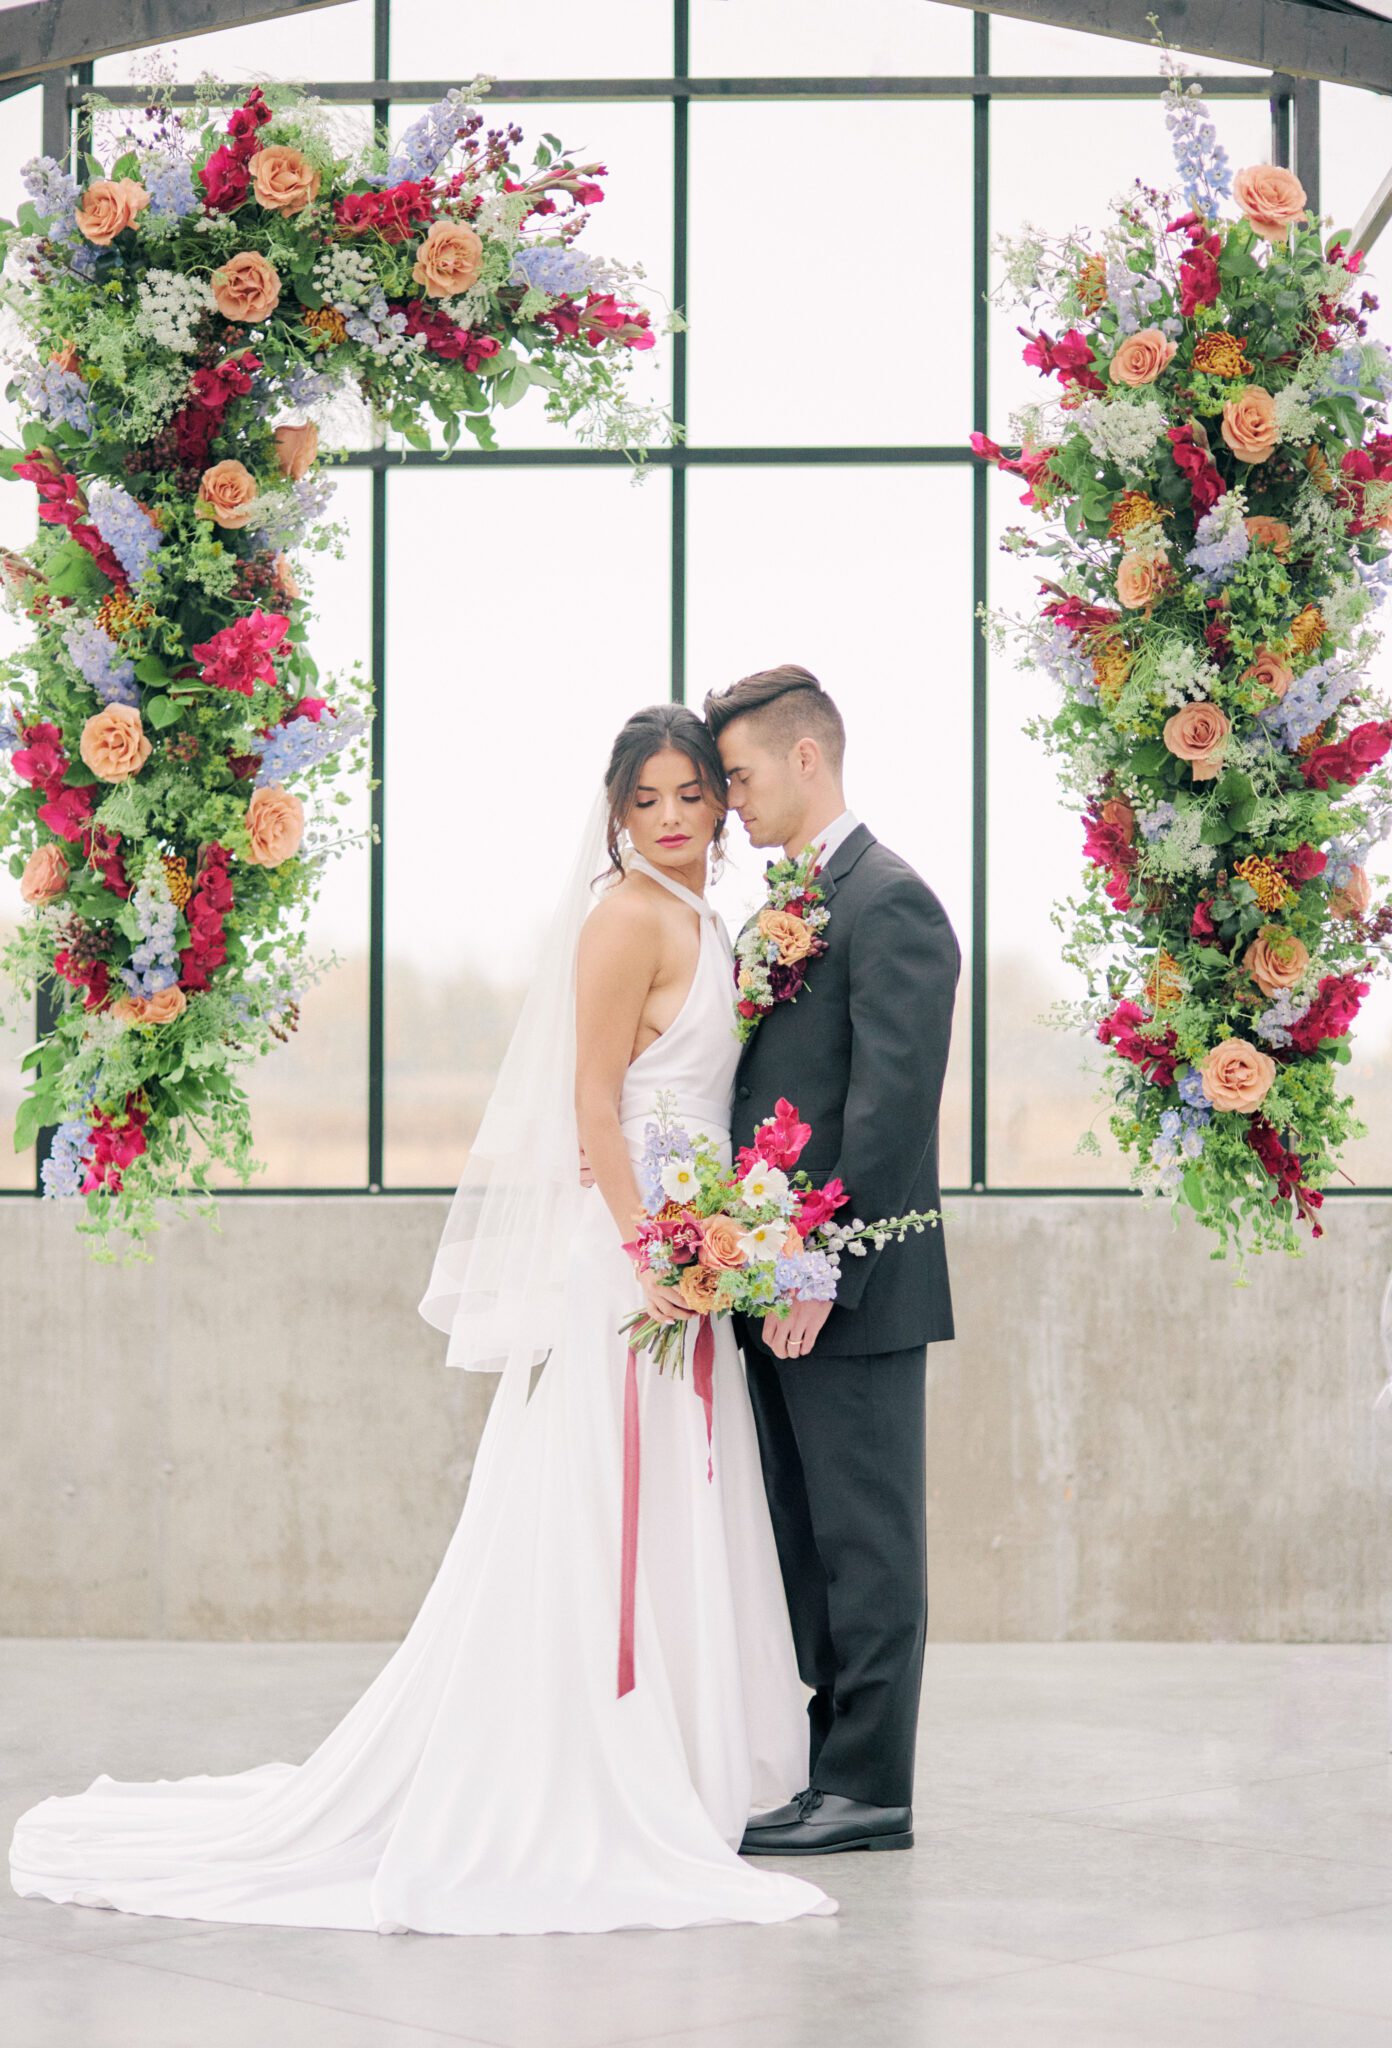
{"x":1294,"y":106}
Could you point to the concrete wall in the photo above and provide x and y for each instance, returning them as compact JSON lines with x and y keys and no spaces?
{"x":255,"y":1436}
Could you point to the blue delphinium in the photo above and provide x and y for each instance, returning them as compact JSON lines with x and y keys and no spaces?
{"x":1131,"y":294}
{"x":1274,"y":1025}
{"x":54,"y":192}
{"x":548,"y":267}
{"x":301,"y":743}
{"x":100,"y":662}
{"x":1189,"y":1082}
{"x":169,"y":182}
{"x":428,"y":140}
{"x":659,"y":1149}
{"x":1308,"y":701}
{"x":9,"y":731}
{"x":1181,"y":1140}
{"x":65,"y":1168}
{"x":810,"y":1274}
{"x":1221,"y":542}
{"x":60,"y":396}
{"x":1155,"y":823}
{"x":131,"y":534}
{"x":1200,"y":158}
{"x":1059,"y":657}
{"x":154,"y":965}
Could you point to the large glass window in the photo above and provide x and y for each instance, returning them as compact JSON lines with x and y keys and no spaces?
{"x":824,"y":226}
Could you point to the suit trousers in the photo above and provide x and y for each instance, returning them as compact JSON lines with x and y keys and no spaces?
{"x":842,"y":1444}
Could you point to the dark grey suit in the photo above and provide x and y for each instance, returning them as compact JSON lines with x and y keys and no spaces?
{"x":862,"y":1052}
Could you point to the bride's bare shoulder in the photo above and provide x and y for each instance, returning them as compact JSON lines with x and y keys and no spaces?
{"x":628,"y":917}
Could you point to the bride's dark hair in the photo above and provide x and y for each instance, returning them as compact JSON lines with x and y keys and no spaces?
{"x":649,"y":732}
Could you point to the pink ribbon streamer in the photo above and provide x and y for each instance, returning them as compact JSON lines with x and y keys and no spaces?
{"x":703,"y":1386}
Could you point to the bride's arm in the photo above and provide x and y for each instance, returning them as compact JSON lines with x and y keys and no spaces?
{"x":615,"y":969}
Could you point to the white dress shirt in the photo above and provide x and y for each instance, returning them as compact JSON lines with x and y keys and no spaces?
{"x":839,"y":829}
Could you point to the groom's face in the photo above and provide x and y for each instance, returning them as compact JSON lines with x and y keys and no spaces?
{"x":763,"y":787}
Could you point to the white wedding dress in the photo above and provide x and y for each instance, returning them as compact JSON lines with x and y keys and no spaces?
{"x":490,"y":1779}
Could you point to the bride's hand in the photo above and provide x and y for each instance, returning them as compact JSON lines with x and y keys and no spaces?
{"x":664,"y":1303}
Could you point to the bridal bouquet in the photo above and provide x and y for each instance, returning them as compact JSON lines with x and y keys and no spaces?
{"x":187,"y":315}
{"x":752,"y":1237}
{"x":1213,"y":475}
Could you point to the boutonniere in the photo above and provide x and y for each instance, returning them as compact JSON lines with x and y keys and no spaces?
{"x":777,"y":946}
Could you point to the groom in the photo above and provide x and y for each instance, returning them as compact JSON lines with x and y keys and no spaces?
{"x":838,"y":1389}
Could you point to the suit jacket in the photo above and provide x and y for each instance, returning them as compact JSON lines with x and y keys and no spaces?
{"x":862,"y":1052}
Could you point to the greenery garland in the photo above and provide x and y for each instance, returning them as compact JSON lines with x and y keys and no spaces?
{"x":189,"y":317}
{"x":1215,"y":481}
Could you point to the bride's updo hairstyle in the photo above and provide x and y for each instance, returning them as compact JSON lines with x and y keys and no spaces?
{"x":651,"y":731}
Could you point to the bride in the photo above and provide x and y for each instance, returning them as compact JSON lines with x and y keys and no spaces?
{"x":568,"y":1737}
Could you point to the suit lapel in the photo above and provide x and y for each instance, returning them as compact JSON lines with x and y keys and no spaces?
{"x":844,"y":859}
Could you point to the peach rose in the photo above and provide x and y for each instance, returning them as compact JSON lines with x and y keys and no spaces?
{"x":1269,"y":668}
{"x":275,"y":825}
{"x":46,"y":875}
{"x":1139,"y":581}
{"x":448,"y":260}
{"x":1350,"y":901}
{"x":282,"y":180}
{"x":113,"y":743}
{"x":1271,"y":197}
{"x":699,"y":1287}
{"x":296,"y":448}
{"x":108,"y":206}
{"x":246,"y":287}
{"x":1276,"y":959}
{"x":1198,"y":733}
{"x":721,"y":1249}
{"x":793,"y":1245}
{"x":1249,"y":424}
{"x":1141,"y":357}
{"x":228,"y":489}
{"x":285,"y":577}
{"x":1117,"y":812}
{"x":790,"y":934}
{"x":1269,"y":533}
{"x":1236,"y":1074}
{"x":161,"y":1008}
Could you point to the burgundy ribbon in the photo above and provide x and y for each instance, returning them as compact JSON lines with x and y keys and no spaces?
{"x":703,"y":1386}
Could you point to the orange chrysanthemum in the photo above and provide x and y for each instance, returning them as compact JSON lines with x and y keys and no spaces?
{"x":1111,"y":664}
{"x":327,"y":322}
{"x":1318,"y":467}
{"x":1163,"y":985}
{"x":177,"y":875}
{"x":1270,"y":886}
{"x":1312,"y":740}
{"x":1307,"y":629}
{"x":1092,"y":284}
{"x":118,"y":613}
{"x":1132,"y":509}
{"x":1221,"y":354}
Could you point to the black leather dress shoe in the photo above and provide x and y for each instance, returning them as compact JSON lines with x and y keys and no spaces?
{"x":825,"y":1824}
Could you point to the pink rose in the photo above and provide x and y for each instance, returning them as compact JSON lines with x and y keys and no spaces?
{"x":1141,"y":357}
{"x":1249,"y":424}
{"x":1236,"y":1075}
{"x":275,"y":825}
{"x":46,"y":874}
{"x":1271,"y":197}
{"x":1198,"y":733}
{"x":1139,"y":581}
{"x":113,"y":743}
{"x":1351,"y":900}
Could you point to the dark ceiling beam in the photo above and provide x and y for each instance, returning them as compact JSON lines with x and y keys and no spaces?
{"x":45,"y":34}
{"x":1281,"y":35}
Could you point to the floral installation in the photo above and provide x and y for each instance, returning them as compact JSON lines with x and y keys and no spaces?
{"x":184,"y":319}
{"x":751,"y":1238}
{"x":1214,"y":479}
{"x":773,"y":952}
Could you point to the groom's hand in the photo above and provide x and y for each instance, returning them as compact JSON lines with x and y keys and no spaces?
{"x":794,"y":1335}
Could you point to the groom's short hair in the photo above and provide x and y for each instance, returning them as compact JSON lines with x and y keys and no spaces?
{"x":783,"y":705}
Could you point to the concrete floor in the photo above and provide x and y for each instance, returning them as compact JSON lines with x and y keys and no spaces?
{"x":1125,"y":1845}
